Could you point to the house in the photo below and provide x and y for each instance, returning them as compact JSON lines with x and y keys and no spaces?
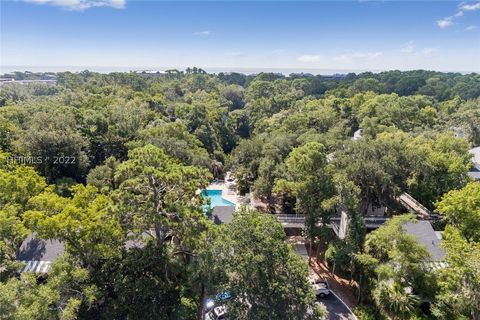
{"x":39,"y":254}
{"x":425,"y":235}
{"x":474,"y":173}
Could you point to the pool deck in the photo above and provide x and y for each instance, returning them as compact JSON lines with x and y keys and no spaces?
{"x":227,"y":194}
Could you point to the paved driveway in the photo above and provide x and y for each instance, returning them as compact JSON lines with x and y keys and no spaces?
{"x":301,"y":250}
{"x":336,"y":308}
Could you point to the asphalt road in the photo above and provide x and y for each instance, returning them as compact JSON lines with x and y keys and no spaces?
{"x":336,"y":308}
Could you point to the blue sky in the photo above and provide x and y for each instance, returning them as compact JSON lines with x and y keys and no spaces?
{"x":342,"y":35}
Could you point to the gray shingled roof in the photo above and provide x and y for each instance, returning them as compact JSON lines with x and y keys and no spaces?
{"x":34,"y":249}
{"x":39,"y":254}
{"x":425,"y":235}
{"x":222,"y":214}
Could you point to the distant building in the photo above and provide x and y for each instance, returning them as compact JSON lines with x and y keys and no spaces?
{"x":150,"y":72}
{"x":5,"y":81}
{"x":474,"y":173}
{"x":336,"y":76}
{"x":300,"y":74}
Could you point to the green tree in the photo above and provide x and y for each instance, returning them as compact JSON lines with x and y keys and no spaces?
{"x":459,"y":283}
{"x":245,"y":161}
{"x":376,"y":170}
{"x":400,"y":252}
{"x":146,"y":282}
{"x":55,"y":144}
{"x":233,"y":94}
{"x":177,"y":142}
{"x":366,"y":84}
{"x":394,"y":301}
{"x":400,"y":270}
{"x":310,"y":179}
{"x":266,"y":278}
{"x":437,"y":166}
{"x":12,"y":233}
{"x":83,"y":222}
{"x":103,"y":176}
{"x":156,"y":191}
{"x":461,"y":209}
{"x":18,"y":184}
{"x":341,"y":254}
{"x":59,"y":298}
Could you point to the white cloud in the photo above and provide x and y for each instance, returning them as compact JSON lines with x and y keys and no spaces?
{"x":428,"y":51}
{"x":471,"y":28}
{"x":448,"y":21}
{"x":309,"y":58}
{"x":277,"y":51}
{"x":344,"y":58}
{"x":445,"y":23}
{"x":470,"y":6}
{"x":408,"y":47}
{"x":368,"y":55}
{"x":202,"y":33}
{"x":80,"y":5}
{"x":350,"y":57}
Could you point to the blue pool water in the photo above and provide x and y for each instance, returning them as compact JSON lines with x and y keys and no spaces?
{"x":216,"y":198}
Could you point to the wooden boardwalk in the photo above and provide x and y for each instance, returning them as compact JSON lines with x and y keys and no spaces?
{"x":297,"y":221}
{"x":413,"y":205}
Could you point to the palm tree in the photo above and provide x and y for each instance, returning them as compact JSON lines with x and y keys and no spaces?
{"x":217,"y":169}
{"x":394,"y":301}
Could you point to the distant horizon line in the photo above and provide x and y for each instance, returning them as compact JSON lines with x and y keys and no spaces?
{"x":246,"y":70}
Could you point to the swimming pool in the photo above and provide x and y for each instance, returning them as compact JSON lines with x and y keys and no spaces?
{"x":216,"y":199}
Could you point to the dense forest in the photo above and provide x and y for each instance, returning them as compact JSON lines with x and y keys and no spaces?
{"x":111,"y":165}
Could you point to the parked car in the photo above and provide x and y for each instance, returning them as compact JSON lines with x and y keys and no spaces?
{"x":218,"y":313}
{"x":219,"y":298}
{"x":321,"y":287}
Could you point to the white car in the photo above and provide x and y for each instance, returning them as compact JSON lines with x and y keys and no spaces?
{"x":321,"y":287}
{"x":218,"y":313}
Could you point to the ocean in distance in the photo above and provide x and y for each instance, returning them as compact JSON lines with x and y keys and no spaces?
{"x":102,"y":69}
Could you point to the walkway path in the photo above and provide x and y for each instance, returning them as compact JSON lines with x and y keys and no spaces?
{"x":298,"y":220}
{"x":413,"y":205}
